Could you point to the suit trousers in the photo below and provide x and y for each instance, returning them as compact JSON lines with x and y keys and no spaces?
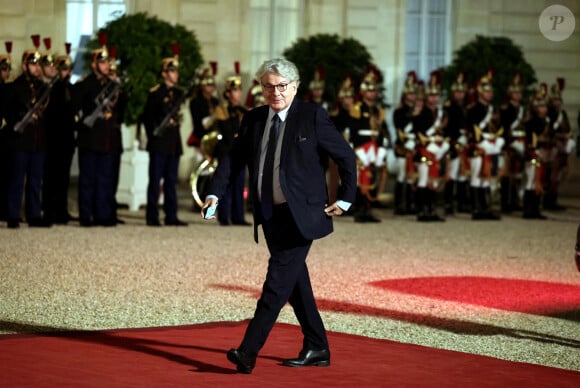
{"x":287,"y":280}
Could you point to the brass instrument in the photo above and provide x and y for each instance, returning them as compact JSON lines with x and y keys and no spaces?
{"x":201,"y":176}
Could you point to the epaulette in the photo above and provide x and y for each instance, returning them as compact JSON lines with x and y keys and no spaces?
{"x":447,"y":104}
{"x":221,"y":112}
{"x":470,"y":105}
{"x":355,"y":111}
{"x":154,"y":88}
{"x":503,"y":106}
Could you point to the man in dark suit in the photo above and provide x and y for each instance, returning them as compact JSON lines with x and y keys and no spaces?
{"x":290,"y":200}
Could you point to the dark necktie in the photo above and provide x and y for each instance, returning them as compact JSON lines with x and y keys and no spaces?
{"x":268,"y":171}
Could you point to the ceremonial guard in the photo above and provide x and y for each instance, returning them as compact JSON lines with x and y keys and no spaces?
{"x":316,"y":92}
{"x":369,"y":138}
{"x":558,"y":163}
{"x":340,"y":116}
{"x":162,"y":119}
{"x":5,"y":158}
{"x":456,"y":195}
{"x":512,"y":116}
{"x":538,"y":149}
{"x":99,"y":139}
{"x":229,"y":115}
{"x":60,"y":127}
{"x":485,"y":145}
{"x":431,"y":147}
{"x":202,"y":107}
{"x":255,"y":97}
{"x":404,"y":196}
{"x":26,"y":102}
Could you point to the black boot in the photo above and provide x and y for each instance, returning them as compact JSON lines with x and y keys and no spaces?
{"x":448,"y":197}
{"x":515,"y":196}
{"x":463,"y":197}
{"x":432,"y":205}
{"x":420,"y":203}
{"x":410,"y":194}
{"x":536,"y":200}
{"x":528,"y":204}
{"x":505,"y":193}
{"x":398,"y":205}
{"x":486,"y":205}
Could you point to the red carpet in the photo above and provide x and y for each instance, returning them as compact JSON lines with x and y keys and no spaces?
{"x":195,"y":356}
{"x":526,"y":296}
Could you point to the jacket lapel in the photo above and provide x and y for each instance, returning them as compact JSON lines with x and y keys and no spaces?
{"x":289,"y":128}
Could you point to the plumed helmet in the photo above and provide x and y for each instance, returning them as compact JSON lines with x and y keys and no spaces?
{"x":410,"y":82}
{"x":557,"y":88}
{"x":234,"y":82}
{"x":371,"y":79}
{"x":102,"y":53}
{"x":207,"y":74}
{"x":5,"y":60}
{"x":171,"y":63}
{"x":346,"y":87}
{"x":47,"y":59}
{"x":434,"y":84}
{"x":318,"y":79}
{"x":32,"y":56}
{"x":459,"y":84}
{"x":516,"y":84}
{"x":540,"y":97}
{"x":64,"y":62}
{"x":485,"y":83}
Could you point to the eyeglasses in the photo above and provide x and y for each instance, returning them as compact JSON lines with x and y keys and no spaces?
{"x":281,"y":87}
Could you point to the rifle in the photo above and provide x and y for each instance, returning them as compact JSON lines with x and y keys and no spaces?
{"x":162,"y":127}
{"x":109,"y":91}
{"x":29,"y":116}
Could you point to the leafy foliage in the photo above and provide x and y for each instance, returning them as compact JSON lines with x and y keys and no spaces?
{"x":338,"y":57}
{"x":142,"y":42}
{"x":498,"y":53}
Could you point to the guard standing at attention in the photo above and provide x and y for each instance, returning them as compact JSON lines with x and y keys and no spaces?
{"x":99,"y":140}
{"x":26,"y":102}
{"x":162,"y":120}
{"x":229,"y":115}
{"x":5,"y":159}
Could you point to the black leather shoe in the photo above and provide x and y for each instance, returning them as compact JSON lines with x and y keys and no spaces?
{"x":39,"y":223}
{"x":241,"y":223}
{"x":85,"y":223}
{"x":13,"y":224}
{"x":153,"y":223}
{"x":309,"y":358}
{"x":176,"y":223}
{"x":244,"y":361}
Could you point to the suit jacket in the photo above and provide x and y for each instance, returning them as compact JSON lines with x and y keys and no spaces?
{"x":309,"y":139}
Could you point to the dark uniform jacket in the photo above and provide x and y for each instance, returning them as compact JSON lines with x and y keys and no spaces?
{"x":509,"y":113}
{"x":105,"y":135}
{"x":228,"y":122}
{"x":201,"y":108}
{"x":59,"y":115}
{"x":402,"y":116}
{"x":161,"y":102}
{"x":364,"y":117}
{"x":456,"y":121}
{"x":21,"y":96}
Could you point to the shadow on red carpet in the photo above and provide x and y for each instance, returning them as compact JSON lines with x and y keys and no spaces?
{"x":196,"y":356}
